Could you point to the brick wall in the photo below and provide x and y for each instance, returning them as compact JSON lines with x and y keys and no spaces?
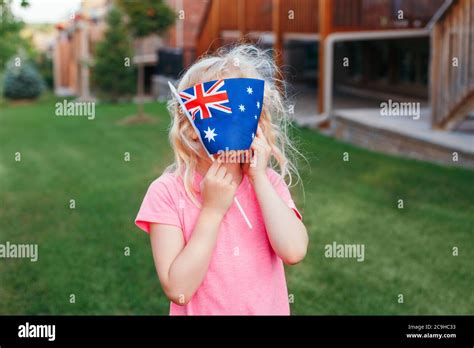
{"x":194,"y":11}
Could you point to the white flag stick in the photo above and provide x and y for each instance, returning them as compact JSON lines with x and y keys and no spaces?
{"x":242,"y":212}
{"x":183,"y":108}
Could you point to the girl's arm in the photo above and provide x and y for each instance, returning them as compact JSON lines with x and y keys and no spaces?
{"x":287,"y":234}
{"x":182,"y":267}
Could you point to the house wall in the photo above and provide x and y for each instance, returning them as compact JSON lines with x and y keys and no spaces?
{"x":184,"y":34}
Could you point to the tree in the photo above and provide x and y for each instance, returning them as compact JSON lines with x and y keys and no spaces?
{"x":22,"y":80}
{"x":45,"y":68}
{"x":146,"y":17}
{"x":113,"y":73}
{"x":10,"y":27}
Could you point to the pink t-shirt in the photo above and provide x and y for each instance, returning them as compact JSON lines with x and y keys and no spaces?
{"x":245,"y":276}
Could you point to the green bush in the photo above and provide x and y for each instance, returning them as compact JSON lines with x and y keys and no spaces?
{"x":22,"y":82}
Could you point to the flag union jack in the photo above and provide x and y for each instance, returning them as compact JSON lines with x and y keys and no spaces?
{"x":198,"y":100}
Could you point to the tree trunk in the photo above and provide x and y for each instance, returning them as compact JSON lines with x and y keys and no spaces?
{"x":140,"y":90}
{"x":140,"y":117}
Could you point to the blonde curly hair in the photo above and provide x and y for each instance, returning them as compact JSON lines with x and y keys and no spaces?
{"x":239,"y":61}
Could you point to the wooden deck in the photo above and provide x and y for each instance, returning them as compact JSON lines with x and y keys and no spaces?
{"x":404,"y":136}
{"x":357,"y":120}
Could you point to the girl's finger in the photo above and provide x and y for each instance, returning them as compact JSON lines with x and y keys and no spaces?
{"x":260,"y":133}
{"x":228,"y":178}
{"x":262,"y":146}
{"x":213,"y":168}
{"x":258,"y":141}
{"x":221,"y":172}
{"x":257,"y":147}
{"x":255,"y":142}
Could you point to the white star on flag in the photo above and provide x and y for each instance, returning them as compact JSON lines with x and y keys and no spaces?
{"x":258,"y":105}
{"x":249,"y":90}
{"x":242,"y":107}
{"x":210,"y":134}
{"x":253,"y":135}
{"x":255,"y":116}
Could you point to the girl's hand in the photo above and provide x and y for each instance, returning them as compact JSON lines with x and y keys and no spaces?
{"x":218,"y":189}
{"x":261,"y":155}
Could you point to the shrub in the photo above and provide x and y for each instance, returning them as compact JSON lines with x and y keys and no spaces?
{"x":22,"y":82}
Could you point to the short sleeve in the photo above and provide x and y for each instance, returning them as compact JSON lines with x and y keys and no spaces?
{"x":282,"y":189}
{"x":158,"y":205}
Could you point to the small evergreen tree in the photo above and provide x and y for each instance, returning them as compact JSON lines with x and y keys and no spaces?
{"x":22,"y":81}
{"x":114,"y":74}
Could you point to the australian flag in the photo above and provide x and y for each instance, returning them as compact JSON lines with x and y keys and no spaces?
{"x":225,"y":112}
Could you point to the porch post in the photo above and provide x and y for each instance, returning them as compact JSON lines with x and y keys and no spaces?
{"x":215,"y":24}
{"x":325,"y":27}
{"x":277,"y":34}
{"x":241,"y":9}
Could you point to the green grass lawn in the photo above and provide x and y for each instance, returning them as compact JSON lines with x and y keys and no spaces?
{"x":407,"y":251}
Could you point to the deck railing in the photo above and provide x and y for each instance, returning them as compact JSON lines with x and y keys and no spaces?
{"x":452,"y":64}
{"x":302,"y":16}
{"x":350,"y":15}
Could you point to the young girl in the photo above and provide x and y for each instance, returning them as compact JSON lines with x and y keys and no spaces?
{"x":207,"y":259}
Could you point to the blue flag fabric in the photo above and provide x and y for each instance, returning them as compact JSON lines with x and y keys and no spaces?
{"x":225,"y":112}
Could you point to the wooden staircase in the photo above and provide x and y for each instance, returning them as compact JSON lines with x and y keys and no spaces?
{"x":452,"y":64}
